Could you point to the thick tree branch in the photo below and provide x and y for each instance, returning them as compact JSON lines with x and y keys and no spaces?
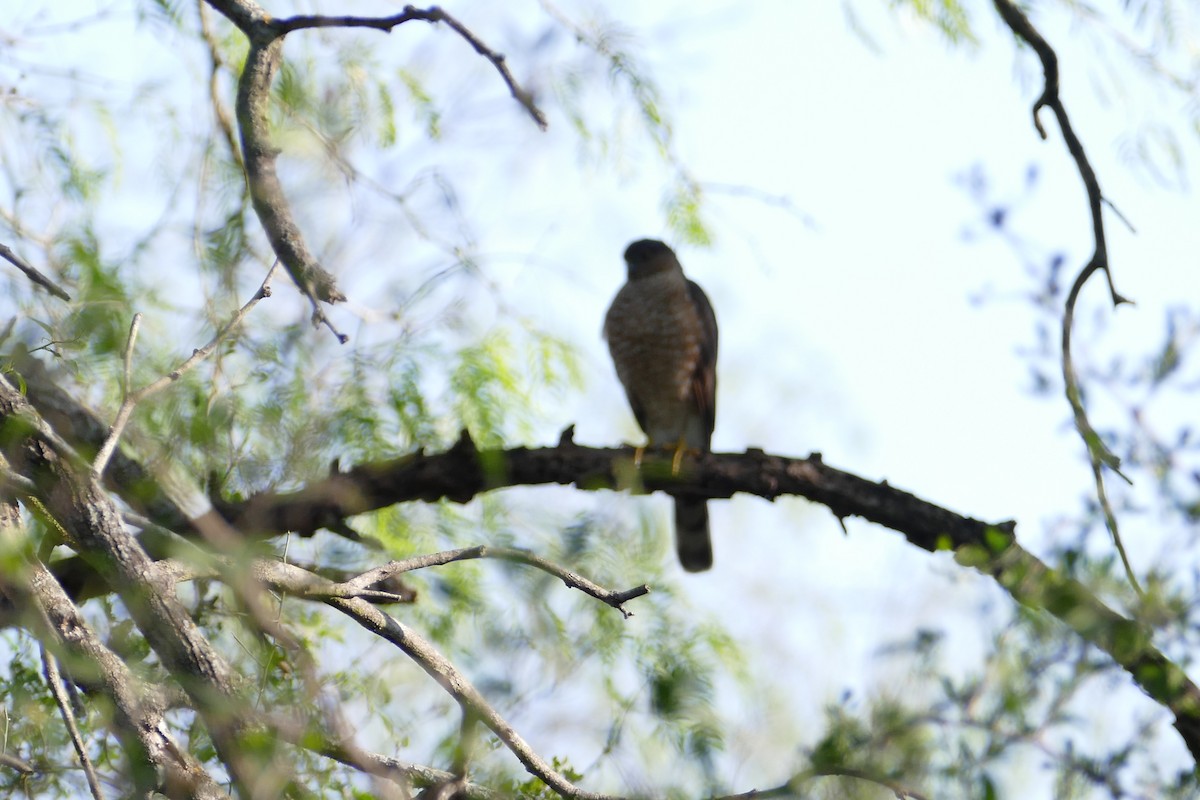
{"x":74,"y":504}
{"x":47,"y":611}
{"x":1098,"y":452}
{"x":463,"y":472}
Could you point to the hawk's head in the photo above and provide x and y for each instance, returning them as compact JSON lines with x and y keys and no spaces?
{"x":647,"y":257}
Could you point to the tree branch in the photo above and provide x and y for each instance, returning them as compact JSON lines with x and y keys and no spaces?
{"x":1098,"y":452}
{"x":41,"y":280}
{"x":57,"y":623}
{"x":464,"y":693}
{"x":460,"y":473}
{"x":463,"y":472}
{"x":433,"y":14}
{"x":132,"y":398}
{"x":375,"y":764}
{"x":616,"y":600}
{"x":266,"y":36}
{"x":54,"y":681}
{"x":77,"y":508}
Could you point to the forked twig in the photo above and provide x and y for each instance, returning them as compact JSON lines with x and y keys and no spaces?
{"x":1098,"y":452}
{"x":616,"y":600}
{"x":132,"y":398}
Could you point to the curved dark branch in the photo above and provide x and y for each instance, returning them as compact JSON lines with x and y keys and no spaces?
{"x":1098,"y":451}
{"x":463,"y":472}
{"x":433,"y":14}
{"x":41,"y":280}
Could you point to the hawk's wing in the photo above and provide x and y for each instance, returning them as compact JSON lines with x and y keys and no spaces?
{"x":704,"y":377}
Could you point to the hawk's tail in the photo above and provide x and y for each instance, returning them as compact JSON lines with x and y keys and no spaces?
{"x":692,"y":539}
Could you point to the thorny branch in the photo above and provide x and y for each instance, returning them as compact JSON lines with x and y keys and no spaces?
{"x":1098,"y":452}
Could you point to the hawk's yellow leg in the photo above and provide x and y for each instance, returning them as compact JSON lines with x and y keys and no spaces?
{"x":677,"y":460}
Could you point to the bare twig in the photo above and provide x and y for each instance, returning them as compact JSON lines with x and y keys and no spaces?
{"x":789,"y":789}
{"x":55,"y":682}
{"x":134,"y":327}
{"x":432,"y":14}
{"x":1098,"y":452}
{"x":465,"y":694}
{"x":319,"y":318}
{"x":224,"y":119}
{"x":571,"y":579}
{"x":31,"y":273}
{"x":374,"y":763}
{"x":132,"y":398}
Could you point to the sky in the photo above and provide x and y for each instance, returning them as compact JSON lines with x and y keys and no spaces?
{"x":851,"y":324}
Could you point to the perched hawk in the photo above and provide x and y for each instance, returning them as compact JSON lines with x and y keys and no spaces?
{"x":662,"y":334}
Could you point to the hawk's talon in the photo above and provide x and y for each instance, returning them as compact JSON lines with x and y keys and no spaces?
{"x":677,"y":459}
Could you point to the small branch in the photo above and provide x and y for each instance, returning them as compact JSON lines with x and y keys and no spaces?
{"x":457,"y":686}
{"x":319,"y":318}
{"x":571,"y":579}
{"x":224,"y":120}
{"x":12,"y":762}
{"x":33,"y":275}
{"x":789,"y":789}
{"x":134,"y":327}
{"x":133,"y":398}
{"x":1098,"y":452}
{"x":266,"y":37}
{"x":54,"y":681}
{"x":433,"y":14}
{"x":375,"y":764}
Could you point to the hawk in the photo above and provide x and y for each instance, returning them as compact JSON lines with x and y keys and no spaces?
{"x":662,"y":335}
